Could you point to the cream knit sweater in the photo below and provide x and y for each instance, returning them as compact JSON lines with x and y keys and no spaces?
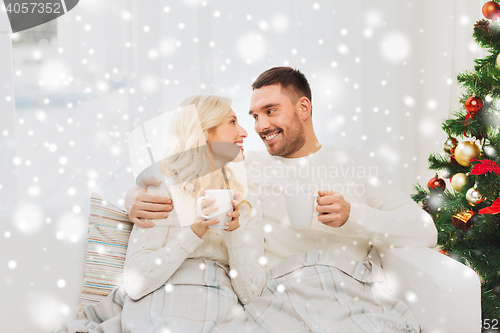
{"x":379,"y":209}
{"x":154,"y":254}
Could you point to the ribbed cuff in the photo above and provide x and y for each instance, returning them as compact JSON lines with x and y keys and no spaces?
{"x":234,"y":238}
{"x":188,"y":239}
{"x":356,"y":217}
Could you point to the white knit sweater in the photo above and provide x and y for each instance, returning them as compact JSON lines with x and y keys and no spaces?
{"x":154,"y":254}
{"x":379,"y":209}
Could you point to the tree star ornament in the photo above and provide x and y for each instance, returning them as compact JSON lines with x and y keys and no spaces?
{"x":466,"y":151}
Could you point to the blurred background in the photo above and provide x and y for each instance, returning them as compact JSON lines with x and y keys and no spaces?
{"x":382,"y":73}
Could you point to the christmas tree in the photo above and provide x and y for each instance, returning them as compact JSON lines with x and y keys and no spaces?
{"x":467,"y":217}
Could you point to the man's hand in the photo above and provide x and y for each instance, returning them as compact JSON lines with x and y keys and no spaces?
{"x":142,"y":205}
{"x":334,"y":210}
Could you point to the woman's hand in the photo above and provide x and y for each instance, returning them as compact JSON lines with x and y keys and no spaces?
{"x":235,"y":214}
{"x":200,"y":226}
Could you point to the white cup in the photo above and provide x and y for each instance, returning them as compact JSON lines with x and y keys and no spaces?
{"x":301,"y":208}
{"x":223,"y":200}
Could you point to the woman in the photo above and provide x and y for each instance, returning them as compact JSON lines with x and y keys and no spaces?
{"x":189,"y":279}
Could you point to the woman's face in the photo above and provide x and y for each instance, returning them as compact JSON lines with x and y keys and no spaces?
{"x":230,"y":131}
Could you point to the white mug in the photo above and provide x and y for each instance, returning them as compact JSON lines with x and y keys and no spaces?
{"x":223,"y":200}
{"x":301,"y":208}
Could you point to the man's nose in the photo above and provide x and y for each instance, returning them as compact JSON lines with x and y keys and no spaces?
{"x":262,"y":124}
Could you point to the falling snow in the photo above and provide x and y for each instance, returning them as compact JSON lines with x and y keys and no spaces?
{"x":77,"y":94}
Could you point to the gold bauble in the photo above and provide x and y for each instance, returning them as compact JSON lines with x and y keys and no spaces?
{"x":458,"y":181}
{"x":498,"y":61}
{"x":466,"y":151}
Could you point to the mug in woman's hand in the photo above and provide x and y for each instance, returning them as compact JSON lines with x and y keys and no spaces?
{"x":223,"y":200}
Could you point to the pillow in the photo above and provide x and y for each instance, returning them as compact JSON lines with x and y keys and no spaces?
{"x":108,"y":233}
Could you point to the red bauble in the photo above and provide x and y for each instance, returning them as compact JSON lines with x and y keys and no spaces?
{"x":443,"y":252}
{"x":490,"y":8}
{"x":436,"y":184}
{"x":473,"y":105}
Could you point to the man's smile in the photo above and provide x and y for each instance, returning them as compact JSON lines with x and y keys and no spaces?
{"x":270,"y":138}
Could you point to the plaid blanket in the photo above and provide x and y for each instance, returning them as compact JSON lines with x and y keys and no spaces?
{"x":318,"y":292}
{"x":328,"y":292}
{"x":196,"y":298}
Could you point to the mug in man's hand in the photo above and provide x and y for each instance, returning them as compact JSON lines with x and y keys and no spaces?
{"x":223,"y":200}
{"x":301,"y":208}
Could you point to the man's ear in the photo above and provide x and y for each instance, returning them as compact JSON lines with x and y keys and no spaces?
{"x":304,"y":107}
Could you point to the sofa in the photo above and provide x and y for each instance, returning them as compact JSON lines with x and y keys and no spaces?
{"x":55,"y":261}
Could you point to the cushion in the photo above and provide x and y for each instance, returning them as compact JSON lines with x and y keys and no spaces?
{"x":108,"y":233}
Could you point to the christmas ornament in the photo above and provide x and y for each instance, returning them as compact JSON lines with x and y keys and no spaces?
{"x":464,"y":220}
{"x":459,"y":181}
{"x":443,"y":252}
{"x":449,"y":145}
{"x":428,"y":208}
{"x":465,"y":151}
{"x":433,"y":202}
{"x":436,"y":184}
{"x":493,"y":209}
{"x":490,"y":8}
{"x":474,"y":197}
{"x":473,"y":104}
{"x":482,"y":25}
{"x":498,"y":61}
{"x":485,"y":166}
{"x":445,"y":173}
{"x":490,"y":151}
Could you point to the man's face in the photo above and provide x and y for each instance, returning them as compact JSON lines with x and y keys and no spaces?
{"x":276,"y":120}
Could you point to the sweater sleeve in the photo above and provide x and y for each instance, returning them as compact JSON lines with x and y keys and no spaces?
{"x":245,"y":246}
{"x":387,"y":214}
{"x":150,"y":260}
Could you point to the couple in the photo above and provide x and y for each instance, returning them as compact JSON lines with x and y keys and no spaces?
{"x":321,"y":279}
{"x":260,"y":274}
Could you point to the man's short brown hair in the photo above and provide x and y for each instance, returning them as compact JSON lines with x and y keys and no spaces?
{"x":292,"y":81}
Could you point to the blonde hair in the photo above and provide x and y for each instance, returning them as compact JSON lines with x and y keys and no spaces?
{"x":188,"y":158}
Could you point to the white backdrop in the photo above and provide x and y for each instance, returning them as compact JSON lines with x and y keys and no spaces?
{"x":383,"y":76}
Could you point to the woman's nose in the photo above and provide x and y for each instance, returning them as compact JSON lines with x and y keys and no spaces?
{"x":243,"y":133}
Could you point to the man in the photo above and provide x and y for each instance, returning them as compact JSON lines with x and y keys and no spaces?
{"x":319,"y":279}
